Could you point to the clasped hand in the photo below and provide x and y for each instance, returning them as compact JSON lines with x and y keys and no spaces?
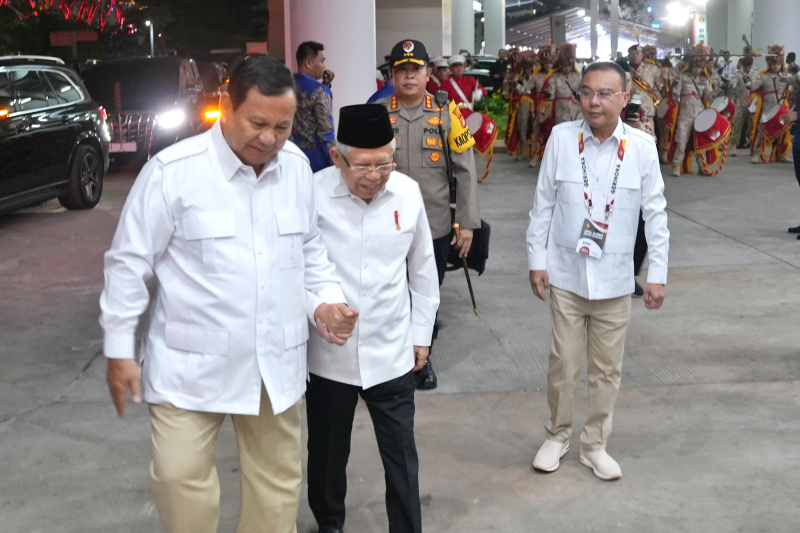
{"x":335,"y":322}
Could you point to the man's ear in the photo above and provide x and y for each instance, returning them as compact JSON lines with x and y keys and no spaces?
{"x":225,"y":105}
{"x":336,"y":157}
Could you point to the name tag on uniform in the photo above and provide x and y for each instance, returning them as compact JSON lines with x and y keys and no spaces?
{"x":592,"y":238}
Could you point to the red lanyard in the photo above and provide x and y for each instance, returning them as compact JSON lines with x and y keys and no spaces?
{"x":620,"y":155}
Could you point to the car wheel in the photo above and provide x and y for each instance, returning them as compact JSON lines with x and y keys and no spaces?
{"x":85,"y":180}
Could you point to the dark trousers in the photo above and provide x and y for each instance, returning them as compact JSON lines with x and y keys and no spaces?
{"x":330,"y":407}
{"x":639,"y":247}
{"x":795,"y":154}
{"x":441,"y":248}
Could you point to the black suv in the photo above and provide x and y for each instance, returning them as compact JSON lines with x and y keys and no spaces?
{"x":53,"y":137}
{"x":151,"y":102}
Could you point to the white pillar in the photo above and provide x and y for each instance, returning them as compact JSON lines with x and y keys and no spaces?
{"x":349,"y":54}
{"x":717,"y":15}
{"x":775,"y":22}
{"x":463,"y":26}
{"x":494,"y":27}
{"x":427,"y":21}
{"x":740,"y":22}
{"x":594,"y":7}
{"x":614,"y":7}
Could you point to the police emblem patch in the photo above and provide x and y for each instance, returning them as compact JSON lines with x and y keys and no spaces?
{"x":393,"y":120}
{"x":430,"y":141}
{"x":408,"y":47}
{"x":434,"y":121}
{"x":435,"y":156}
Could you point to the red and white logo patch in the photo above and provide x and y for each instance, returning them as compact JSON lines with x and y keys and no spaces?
{"x":408,"y":47}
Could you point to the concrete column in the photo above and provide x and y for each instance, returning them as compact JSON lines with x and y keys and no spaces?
{"x":614,"y":7}
{"x":740,"y":22}
{"x":427,"y":21}
{"x":463,"y":26}
{"x":717,"y":16}
{"x":276,"y":34}
{"x":775,"y":22}
{"x":349,"y":54}
{"x":494,"y":27}
{"x":594,"y":12}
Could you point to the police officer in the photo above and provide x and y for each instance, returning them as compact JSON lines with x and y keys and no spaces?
{"x":420,"y":154}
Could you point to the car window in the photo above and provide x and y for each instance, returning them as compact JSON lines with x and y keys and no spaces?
{"x":30,"y":90}
{"x":65,"y":91}
{"x":150,"y":85}
{"x":6,"y":96}
{"x":184,"y":77}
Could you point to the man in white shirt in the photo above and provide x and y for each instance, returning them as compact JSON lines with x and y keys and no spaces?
{"x":225,"y":224}
{"x":596,"y":174}
{"x":374,"y":224}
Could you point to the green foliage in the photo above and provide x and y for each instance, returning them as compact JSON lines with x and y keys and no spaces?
{"x":497,"y":109}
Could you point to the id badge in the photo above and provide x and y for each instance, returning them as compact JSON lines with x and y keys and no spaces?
{"x":592,"y":238}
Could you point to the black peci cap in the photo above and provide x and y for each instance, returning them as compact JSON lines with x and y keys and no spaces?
{"x":408,"y":51}
{"x":364,"y":126}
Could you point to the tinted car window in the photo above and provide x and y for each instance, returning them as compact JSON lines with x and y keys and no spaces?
{"x":6,"y":96}
{"x":65,"y":91}
{"x":31,"y":91}
{"x":142,"y":86}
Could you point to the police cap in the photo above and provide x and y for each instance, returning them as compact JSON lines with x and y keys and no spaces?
{"x":408,"y":51}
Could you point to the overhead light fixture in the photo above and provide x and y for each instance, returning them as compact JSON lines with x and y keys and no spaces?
{"x":581,"y":12}
{"x":587,"y":19}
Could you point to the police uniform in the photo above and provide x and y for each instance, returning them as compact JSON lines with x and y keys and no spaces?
{"x":420,"y":154}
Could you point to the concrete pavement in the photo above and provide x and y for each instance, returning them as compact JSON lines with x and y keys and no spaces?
{"x":706,"y":427}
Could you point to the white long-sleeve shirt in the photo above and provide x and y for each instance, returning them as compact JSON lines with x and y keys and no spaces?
{"x":559,"y":211}
{"x":388,"y":274}
{"x":233,"y":255}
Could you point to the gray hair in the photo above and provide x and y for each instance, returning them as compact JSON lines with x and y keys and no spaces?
{"x":344,"y":149}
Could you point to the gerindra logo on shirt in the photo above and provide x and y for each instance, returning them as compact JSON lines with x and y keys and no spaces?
{"x":621,"y":151}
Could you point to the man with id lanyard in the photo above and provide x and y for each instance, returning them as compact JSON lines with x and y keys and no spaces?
{"x":596,"y":174}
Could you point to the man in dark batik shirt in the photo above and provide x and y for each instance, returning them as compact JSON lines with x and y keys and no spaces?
{"x":313,"y":128}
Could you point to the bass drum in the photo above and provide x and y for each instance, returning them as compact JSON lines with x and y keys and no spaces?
{"x":725,"y":106}
{"x":774,"y":121}
{"x":710,"y":127}
{"x":483,"y":129}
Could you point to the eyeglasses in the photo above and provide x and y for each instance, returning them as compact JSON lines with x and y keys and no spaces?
{"x":603,"y":94}
{"x":363,"y":170}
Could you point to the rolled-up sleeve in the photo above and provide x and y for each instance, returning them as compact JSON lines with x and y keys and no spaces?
{"x":144,"y":231}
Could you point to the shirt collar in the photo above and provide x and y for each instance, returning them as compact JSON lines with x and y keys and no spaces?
{"x":228,"y":160}
{"x":617,"y":134}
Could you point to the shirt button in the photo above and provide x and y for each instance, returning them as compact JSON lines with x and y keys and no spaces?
{"x":361,"y":344}
{"x":366,"y":239}
{"x":261,"y":252}
{"x":263,"y":286}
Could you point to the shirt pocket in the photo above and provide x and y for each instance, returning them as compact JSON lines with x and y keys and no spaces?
{"x":295,"y":337}
{"x":211,"y":241}
{"x":625,"y":217}
{"x":197,"y":360}
{"x":432,"y":151}
{"x":292,"y":228}
{"x":569,"y":209}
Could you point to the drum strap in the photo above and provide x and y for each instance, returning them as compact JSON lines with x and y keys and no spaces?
{"x":699,"y":94}
{"x":460,"y":93}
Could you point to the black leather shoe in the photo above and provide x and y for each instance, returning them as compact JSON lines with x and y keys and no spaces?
{"x":795,"y":229}
{"x":330,"y":529}
{"x":426,"y":377}
{"x":798,"y":237}
{"x":637,"y":289}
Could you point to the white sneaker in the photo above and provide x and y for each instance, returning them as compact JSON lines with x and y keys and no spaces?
{"x":603,"y":465}
{"x":549,"y":455}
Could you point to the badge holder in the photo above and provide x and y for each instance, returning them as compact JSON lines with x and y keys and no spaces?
{"x":592,"y":238}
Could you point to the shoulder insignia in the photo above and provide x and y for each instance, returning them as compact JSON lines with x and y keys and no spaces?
{"x":435,"y":156}
{"x":393,"y":103}
{"x":434,"y":121}
{"x":428,"y":102}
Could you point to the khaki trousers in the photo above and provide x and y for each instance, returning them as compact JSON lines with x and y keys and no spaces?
{"x":577,"y":323}
{"x":184,"y":479}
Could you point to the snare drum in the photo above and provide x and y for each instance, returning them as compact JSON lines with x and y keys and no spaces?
{"x":710,"y":128}
{"x":483,"y":129}
{"x":725,"y":106}
{"x":774,"y":121}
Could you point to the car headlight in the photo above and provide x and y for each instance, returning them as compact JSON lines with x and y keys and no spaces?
{"x":171,"y":119}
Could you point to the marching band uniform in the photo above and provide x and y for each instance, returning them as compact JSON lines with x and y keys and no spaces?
{"x":773,"y":88}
